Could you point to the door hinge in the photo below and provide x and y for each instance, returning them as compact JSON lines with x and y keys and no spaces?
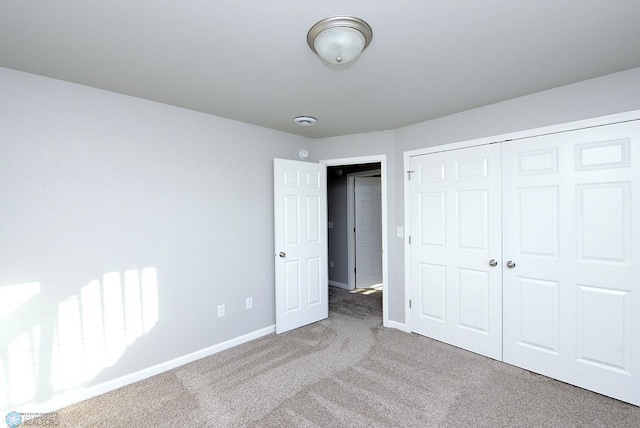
{"x":354,"y":270}
{"x":354,"y":230}
{"x":409,"y":239}
{"x":409,"y":303}
{"x":409,"y":175}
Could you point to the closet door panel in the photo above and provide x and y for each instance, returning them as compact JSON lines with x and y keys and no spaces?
{"x":572,"y":301}
{"x":455,"y":229}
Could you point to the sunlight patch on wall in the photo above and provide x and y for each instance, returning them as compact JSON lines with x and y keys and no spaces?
{"x":91,"y":332}
{"x":66,"y":365}
{"x":22,"y":365}
{"x":150,"y":297}
{"x":20,"y":353}
{"x":114,"y":322}
{"x":4,"y":383}
{"x":133,"y":305}
{"x":14,"y":296}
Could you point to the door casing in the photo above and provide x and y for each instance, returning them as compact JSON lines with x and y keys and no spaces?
{"x":351,"y":245}
{"x":382,"y":159}
{"x":368,"y":267}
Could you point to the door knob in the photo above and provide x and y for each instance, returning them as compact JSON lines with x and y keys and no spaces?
{"x":493,"y":263}
{"x":282,"y":254}
{"x":511,"y":264}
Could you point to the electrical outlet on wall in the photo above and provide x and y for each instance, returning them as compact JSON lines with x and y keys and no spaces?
{"x":331,"y":264}
{"x":249,"y":303}
{"x":220,"y":311}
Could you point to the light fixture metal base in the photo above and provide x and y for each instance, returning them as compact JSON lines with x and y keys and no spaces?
{"x":340,"y":21}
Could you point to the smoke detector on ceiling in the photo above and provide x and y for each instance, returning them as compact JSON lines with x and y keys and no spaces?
{"x":305,"y":120}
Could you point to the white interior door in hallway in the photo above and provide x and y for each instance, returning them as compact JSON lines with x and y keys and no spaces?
{"x":300,"y":236}
{"x":368,"y":231}
{"x":456,"y":289}
{"x":570,"y":265}
{"x":572,"y":227}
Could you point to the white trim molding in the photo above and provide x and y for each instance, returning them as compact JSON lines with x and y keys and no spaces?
{"x":382,"y":159}
{"x":528,"y":133}
{"x":76,"y":395}
{"x":351,"y":241}
{"x":397,"y":325}
{"x":340,"y":285}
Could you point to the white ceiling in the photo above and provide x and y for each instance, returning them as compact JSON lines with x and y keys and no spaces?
{"x":249,"y":60}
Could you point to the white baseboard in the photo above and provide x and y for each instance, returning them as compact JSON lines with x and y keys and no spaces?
{"x":76,"y":395}
{"x":397,"y":325}
{"x":339,"y":285}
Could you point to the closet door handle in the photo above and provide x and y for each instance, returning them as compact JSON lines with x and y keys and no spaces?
{"x":511,"y":264}
{"x":493,"y":263}
{"x":282,"y":254}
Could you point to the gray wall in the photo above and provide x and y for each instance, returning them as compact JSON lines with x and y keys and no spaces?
{"x":337,"y":209}
{"x":93,"y":182}
{"x":605,"y":95}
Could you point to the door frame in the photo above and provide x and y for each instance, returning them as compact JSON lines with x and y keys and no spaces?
{"x":351,"y":203}
{"x":500,"y":138}
{"x":382,"y":159}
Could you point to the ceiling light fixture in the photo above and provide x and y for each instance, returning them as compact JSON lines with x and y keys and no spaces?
{"x":305,"y":120}
{"x":339,"y":39}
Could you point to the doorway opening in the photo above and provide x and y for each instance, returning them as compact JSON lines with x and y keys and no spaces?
{"x":356,"y":205}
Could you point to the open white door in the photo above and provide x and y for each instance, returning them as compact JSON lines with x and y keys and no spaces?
{"x":300,"y":216}
{"x":368,"y":230}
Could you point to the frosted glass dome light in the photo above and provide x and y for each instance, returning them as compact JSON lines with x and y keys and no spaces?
{"x":339,"y":39}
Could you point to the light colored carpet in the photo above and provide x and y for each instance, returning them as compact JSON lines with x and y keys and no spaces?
{"x":350,"y":371}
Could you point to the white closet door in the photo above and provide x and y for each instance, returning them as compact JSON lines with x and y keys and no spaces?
{"x":572,"y":228}
{"x":455,"y":232}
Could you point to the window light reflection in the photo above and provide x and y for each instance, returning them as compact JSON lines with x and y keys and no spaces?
{"x":67,"y":364}
{"x":133,"y":305}
{"x":22,"y":365}
{"x":150,"y":298}
{"x":14,"y":296}
{"x":91,"y":332}
{"x":113,"y":317}
{"x":92,"y":329}
{"x":4,"y":383}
